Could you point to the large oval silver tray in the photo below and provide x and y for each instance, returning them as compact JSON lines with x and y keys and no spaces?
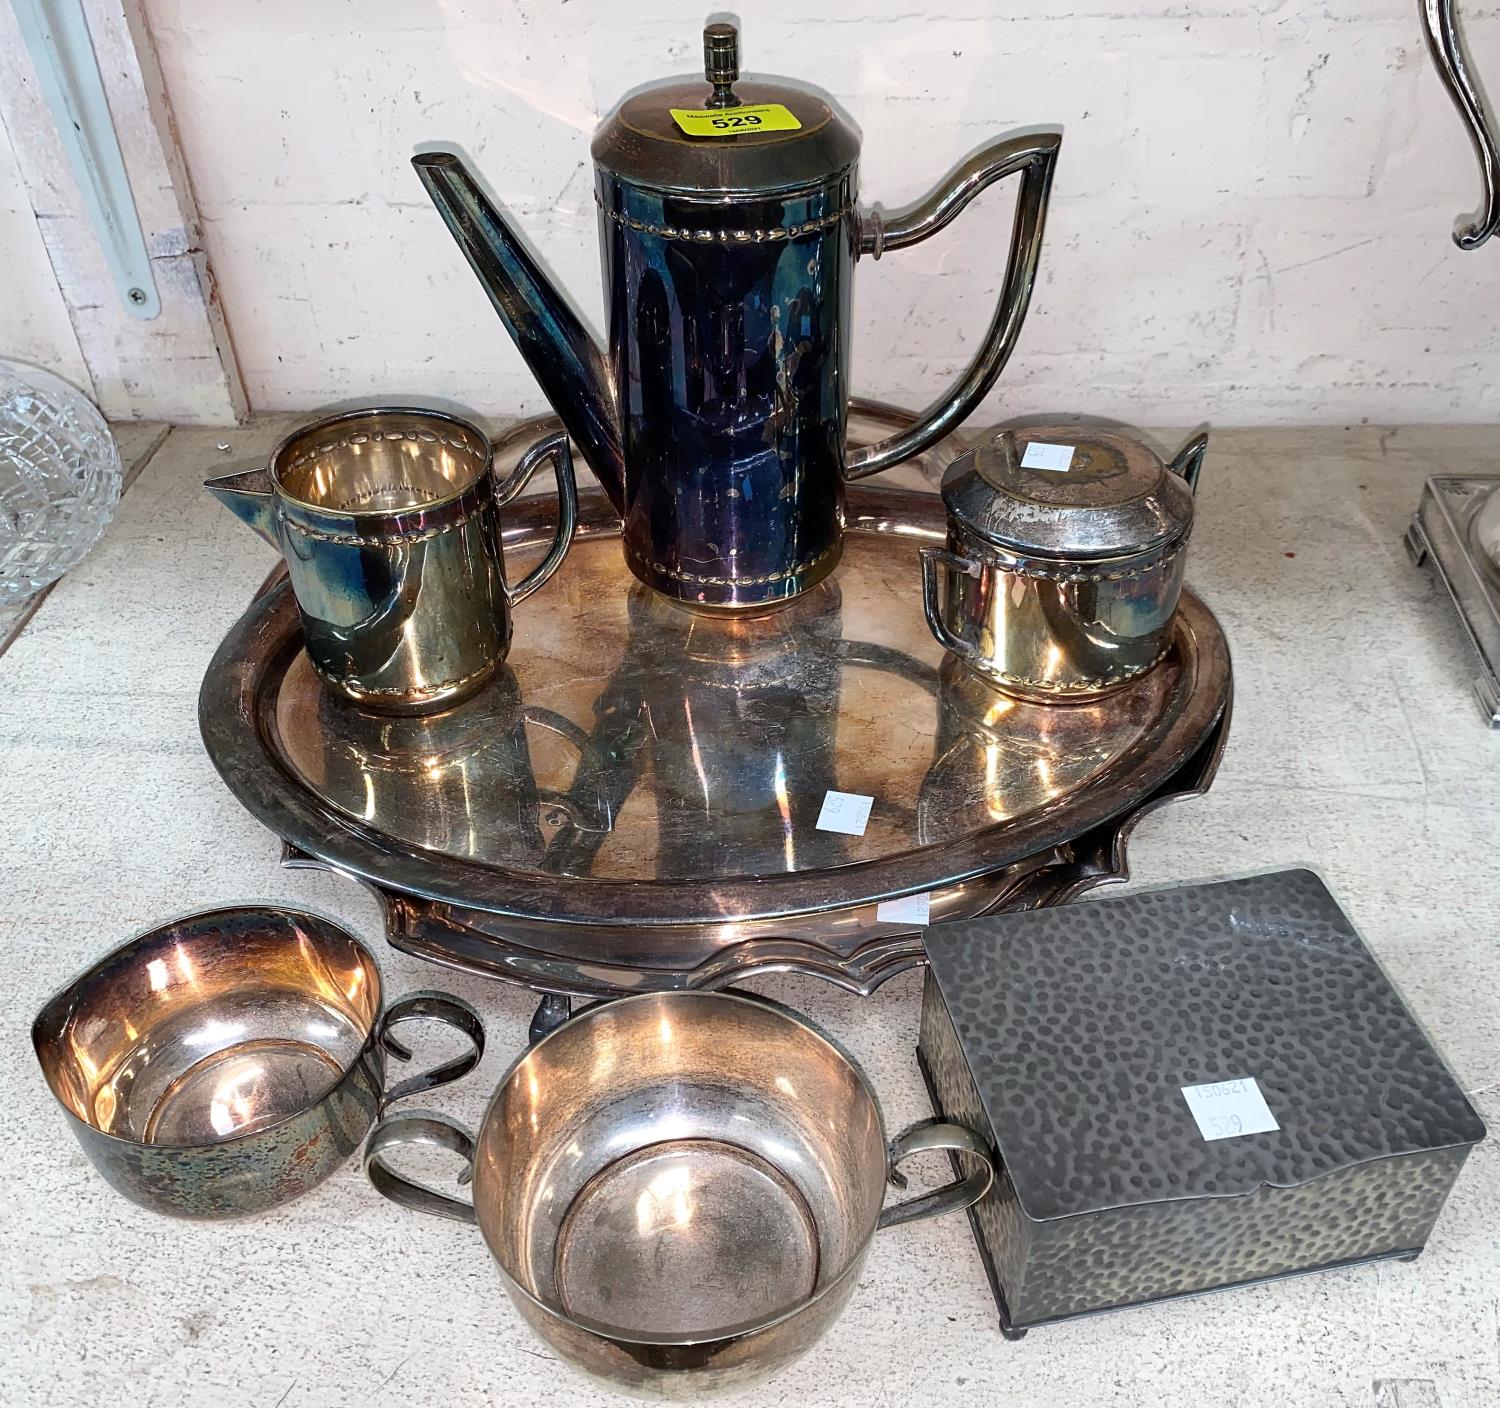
{"x":635,"y":802}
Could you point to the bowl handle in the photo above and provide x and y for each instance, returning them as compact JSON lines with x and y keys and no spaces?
{"x":420,"y":1127}
{"x":951,"y":1197}
{"x":435,"y":1007}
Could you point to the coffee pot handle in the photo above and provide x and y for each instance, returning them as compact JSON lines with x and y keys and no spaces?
{"x":556,"y":449}
{"x":1032,"y":154}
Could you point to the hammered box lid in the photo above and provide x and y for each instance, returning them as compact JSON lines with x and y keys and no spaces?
{"x":1062,"y":491}
{"x":1081,"y":1025}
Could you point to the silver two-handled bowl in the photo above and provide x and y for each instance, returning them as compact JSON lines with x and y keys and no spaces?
{"x":227,"y":1061}
{"x":679,"y":1188}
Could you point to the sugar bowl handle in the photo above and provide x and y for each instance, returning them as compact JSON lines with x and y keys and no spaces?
{"x":435,"y":1131}
{"x":1034,"y":155}
{"x":556,"y":449}
{"x":932,"y":606}
{"x":951,"y":1197}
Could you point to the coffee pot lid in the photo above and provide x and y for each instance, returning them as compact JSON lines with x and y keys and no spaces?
{"x":731,"y":138}
{"x":1069,"y":492}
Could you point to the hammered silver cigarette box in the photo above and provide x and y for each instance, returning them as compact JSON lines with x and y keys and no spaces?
{"x":1189,"y":1088}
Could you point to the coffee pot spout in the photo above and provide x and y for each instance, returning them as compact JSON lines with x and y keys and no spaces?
{"x":249,"y":497}
{"x":562,"y":355}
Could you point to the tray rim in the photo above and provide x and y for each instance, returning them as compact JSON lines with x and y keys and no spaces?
{"x":232,"y":715}
{"x":458,"y":940}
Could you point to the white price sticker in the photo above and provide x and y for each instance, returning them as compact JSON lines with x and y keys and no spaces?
{"x":1040,"y":455}
{"x":1227,"y":1108}
{"x":909,"y":909}
{"x":848,"y":812}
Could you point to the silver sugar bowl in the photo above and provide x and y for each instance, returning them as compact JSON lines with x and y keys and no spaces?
{"x":1065,"y":557}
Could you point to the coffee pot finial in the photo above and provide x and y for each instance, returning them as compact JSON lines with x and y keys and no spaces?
{"x":721,"y":62}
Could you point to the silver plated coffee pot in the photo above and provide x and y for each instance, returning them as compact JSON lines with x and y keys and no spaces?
{"x":729,"y":227}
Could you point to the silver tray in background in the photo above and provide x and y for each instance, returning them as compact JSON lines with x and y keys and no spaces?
{"x":633,"y":804}
{"x":1457,"y":523}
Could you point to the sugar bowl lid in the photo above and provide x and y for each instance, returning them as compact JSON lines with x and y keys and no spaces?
{"x":745,"y":138}
{"x":1070,"y":492}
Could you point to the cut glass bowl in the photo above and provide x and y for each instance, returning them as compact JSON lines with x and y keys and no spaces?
{"x":60,"y":479}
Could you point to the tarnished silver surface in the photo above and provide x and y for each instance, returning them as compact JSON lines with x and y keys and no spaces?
{"x":388,"y":521}
{"x":680,"y":1188}
{"x":1449,"y":53}
{"x":1061,"y":584}
{"x":633,"y":802}
{"x":229,"y":1060}
{"x":1458,"y":523}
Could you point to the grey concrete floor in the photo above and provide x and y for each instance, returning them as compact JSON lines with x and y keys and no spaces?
{"x":137,"y":442}
{"x":1355,"y":748}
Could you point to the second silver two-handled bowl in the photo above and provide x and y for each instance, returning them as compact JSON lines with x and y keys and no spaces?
{"x":679,"y":1188}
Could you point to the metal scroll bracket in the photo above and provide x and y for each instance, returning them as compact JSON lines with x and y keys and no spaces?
{"x":1440,"y":20}
{"x":57,"y":35}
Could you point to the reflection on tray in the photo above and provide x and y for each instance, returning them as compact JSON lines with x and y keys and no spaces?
{"x":670,"y":745}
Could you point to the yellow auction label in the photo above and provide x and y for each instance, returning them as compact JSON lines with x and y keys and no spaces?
{"x":735,"y":122}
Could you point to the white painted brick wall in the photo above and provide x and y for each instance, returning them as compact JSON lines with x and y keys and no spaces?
{"x":1250,"y":222}
{"x":34,"y":325}
{"x":60,"y":306}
